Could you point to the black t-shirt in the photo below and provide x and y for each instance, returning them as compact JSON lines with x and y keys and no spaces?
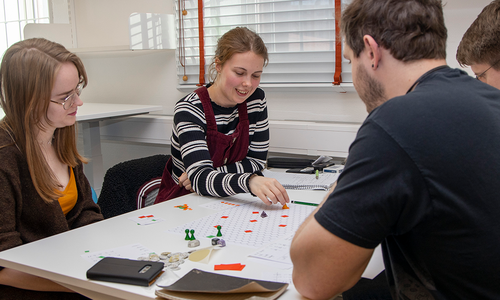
{"x":423,"y":179}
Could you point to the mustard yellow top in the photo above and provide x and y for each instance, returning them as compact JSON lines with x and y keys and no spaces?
{"x":68,"y":200}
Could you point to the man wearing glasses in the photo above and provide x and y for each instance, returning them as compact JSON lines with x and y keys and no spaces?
{"x":480,"y":46}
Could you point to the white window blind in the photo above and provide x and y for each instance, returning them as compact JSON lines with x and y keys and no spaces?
{"x":15,"y":14}
{"x":299,"y":35}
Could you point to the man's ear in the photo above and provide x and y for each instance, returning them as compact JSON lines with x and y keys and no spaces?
{"x":373,"y":50}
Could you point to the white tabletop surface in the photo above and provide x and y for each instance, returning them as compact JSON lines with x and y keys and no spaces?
{"x":93,"y":111}
{"x":59,"y":257}
{"x":96,"y":111}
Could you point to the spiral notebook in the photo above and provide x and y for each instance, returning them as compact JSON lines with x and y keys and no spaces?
{"x":296,"y":181}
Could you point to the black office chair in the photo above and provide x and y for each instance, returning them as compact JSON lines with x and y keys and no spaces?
{"x":130,"y":185}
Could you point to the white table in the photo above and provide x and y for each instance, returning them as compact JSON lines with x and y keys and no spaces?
{"x":89,"y":115}
{"x":58,"y":258}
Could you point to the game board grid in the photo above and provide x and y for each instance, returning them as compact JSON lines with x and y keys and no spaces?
{"x":238,"y":228}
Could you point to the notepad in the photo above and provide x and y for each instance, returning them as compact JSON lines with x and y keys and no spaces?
{"x":295,"y":181}
{"x":202,"y":285}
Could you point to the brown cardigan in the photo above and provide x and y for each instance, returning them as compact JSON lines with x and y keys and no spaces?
{"x":27,"y":218}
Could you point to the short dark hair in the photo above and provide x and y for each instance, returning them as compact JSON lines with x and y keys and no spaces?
{"x":481,"y":42}
{"x":409,"y":29}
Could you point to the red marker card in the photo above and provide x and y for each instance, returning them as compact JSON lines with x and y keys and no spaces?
{"x":229,"y":267}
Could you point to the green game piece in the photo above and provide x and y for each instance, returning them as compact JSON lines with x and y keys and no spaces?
{"x":192,"y":235}
{"x":210,"y":236}
{"x":187,"y":238}
{"x":218,"y":230}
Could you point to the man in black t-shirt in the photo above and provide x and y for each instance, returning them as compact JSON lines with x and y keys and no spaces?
{"x":423,"y":173}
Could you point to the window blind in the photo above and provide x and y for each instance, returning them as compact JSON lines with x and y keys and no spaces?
{"x":299,"y":35}
{"x":15,"y":14}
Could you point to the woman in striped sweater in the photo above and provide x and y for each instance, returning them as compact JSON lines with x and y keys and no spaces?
{"x":220,"y":137}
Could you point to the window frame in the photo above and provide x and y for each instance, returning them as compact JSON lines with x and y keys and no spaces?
{"x":32,"y":11}
{"x":345,"y":86}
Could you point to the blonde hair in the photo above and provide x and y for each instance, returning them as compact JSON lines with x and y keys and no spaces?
{"x":237,"y":40}
{"x":27,"y":76}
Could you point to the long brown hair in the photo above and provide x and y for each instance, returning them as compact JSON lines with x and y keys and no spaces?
{"x":27,"y":76}
{"x":237,"y":40}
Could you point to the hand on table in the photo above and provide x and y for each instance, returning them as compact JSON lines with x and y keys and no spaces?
{"x":185,"y":182}
{"x":269,"y":190}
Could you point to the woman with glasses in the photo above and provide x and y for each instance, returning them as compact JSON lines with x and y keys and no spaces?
{"x":43,"y":190}
{"x":220,"y":137}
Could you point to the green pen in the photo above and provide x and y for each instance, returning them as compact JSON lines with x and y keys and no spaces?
{"x":305,"y":203}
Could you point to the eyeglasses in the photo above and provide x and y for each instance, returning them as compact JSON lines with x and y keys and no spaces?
{"x":70,"y":100}
{"x":478,"y":77}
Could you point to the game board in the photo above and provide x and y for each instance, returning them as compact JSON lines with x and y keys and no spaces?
{"x":242,"y":223}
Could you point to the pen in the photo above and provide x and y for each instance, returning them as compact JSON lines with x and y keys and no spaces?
{"x":304,"y":203}
{"x":317,"y":174}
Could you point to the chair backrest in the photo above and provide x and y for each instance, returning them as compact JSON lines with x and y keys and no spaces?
{"x":146,"y":195}
{"x":123,"y":182}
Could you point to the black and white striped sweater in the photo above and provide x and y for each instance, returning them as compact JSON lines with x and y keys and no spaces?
{"x":190,"y":152}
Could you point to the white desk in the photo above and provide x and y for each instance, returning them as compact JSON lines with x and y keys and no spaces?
{"x":89,"y":115}
{"x":58,"y":258}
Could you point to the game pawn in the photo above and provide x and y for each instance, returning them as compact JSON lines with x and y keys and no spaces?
{"x":187,"y":238}
{"x":263,"y":214}
{"x":218,"y":230}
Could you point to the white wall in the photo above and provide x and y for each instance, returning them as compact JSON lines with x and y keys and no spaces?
{"x":150,"y":77}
